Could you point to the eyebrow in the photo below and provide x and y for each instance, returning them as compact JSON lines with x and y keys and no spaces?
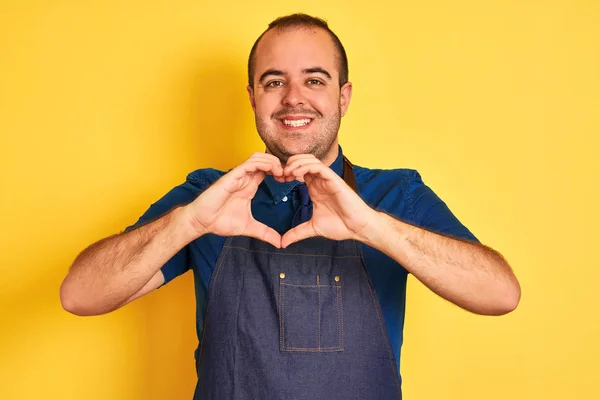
{"x":317,"y":70}
{"x":270,"y":72}
{"x":306,"y":71}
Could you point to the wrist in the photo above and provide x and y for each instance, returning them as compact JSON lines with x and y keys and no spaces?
{"x":187,"y":224}
{"x":384,"y":231}
{"x":372,"y":231}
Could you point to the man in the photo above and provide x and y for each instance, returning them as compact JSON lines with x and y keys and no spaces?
{"x":300,"y":259}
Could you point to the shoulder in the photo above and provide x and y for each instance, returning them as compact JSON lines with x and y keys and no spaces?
{"x":389,"y":190}
{"x":402,"y":193}
{"x":203,"y":177}
{"x":395,"y":176}
{"x":386,"y":181}
{"x":195,"y":183}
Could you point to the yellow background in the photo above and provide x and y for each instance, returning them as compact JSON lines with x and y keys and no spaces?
{"x":106,"y":105}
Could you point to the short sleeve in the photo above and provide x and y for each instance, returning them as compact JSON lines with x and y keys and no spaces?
{"x":179,"y":195}
{"x":432,"y":214}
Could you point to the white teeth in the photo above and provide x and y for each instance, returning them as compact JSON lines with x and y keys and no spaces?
{"x":297,"y":122}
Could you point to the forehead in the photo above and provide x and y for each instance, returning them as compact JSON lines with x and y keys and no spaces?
{"x":294,"y":49}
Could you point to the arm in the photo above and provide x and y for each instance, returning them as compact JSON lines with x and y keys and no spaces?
{"x":469,"y":275}
{"x":121,"y":268}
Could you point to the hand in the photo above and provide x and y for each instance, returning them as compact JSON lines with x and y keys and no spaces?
{"x":338,"y":212}
{"x":224,"y":208}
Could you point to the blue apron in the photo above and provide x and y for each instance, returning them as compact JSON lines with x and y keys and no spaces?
{"x":297,"y":323}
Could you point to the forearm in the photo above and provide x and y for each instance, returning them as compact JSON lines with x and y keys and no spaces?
{"x":112,"y":270}
{"x":469,"y":275}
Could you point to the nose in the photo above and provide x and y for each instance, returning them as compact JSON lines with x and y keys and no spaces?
{"x":293,"y":96}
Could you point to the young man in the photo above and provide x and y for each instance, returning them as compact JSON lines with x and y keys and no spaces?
{"x":300,"y":259}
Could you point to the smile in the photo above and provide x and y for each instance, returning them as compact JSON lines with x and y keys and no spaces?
{"x":296,"y":122}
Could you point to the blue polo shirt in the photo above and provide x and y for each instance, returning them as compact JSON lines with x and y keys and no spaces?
{"x":398,"y":192}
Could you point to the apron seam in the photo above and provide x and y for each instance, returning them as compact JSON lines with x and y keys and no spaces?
{"x":281,"y":319}
{"x":318,"y":314}
{"x":311,"y":286}
{"x":290,"y":254}
{"x":340,"y":319}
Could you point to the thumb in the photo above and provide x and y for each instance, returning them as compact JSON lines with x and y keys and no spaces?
{"x":262,"y":232}
{"x":301,"y":232}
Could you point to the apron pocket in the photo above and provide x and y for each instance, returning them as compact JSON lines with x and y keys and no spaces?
{"x":310,"y":317}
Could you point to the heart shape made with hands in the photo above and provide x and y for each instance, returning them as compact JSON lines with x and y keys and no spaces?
{"x":338,"y":212}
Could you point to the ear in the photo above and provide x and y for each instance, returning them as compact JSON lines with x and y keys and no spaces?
{"x":251,"y":96}
{"x":345,"y":96}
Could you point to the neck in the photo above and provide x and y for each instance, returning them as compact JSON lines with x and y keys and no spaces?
{"x":331,"y":155}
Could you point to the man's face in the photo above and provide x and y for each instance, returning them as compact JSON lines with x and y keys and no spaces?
{"x":296,"y":99}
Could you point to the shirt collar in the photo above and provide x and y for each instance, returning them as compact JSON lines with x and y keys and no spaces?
{"x":280,"y":190}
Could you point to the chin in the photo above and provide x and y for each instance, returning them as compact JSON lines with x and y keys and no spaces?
{"x":292,"y":151}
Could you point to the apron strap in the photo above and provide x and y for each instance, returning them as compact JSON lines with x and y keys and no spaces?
{"x":348,"y":174}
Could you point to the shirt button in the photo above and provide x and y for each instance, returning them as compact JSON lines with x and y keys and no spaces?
{"x":284,"y":199}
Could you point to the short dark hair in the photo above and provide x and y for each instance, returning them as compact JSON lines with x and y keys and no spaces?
{"x":302,"y":21}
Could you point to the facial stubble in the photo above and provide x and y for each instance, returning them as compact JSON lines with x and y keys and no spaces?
{"x":318,"y":145}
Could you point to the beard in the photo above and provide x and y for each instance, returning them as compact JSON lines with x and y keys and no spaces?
{"x":318,"y":141}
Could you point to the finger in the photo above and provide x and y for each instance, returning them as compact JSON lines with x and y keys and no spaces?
{"x":294,"y":163}
{"x":300,"y":157}
{"x":269,"y":166}
{"x":301,"y":232}
{"x":254,"y":165}
{"x":236,"y":179}
{"x":316,"y":169}
{"x":277,"y":171}
{"x":262,"y":232}
{"x":265,"y":156}
{"x":288,"y":171}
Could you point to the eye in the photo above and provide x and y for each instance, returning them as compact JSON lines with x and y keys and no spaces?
{"x":273,"y":84}
{"x":315,"y":82}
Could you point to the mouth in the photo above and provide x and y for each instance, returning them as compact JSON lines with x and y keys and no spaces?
{"x":296,"y":123}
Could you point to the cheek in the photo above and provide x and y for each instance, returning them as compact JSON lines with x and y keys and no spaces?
{"x":266,"y":105}
{"x":326,"y":103}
